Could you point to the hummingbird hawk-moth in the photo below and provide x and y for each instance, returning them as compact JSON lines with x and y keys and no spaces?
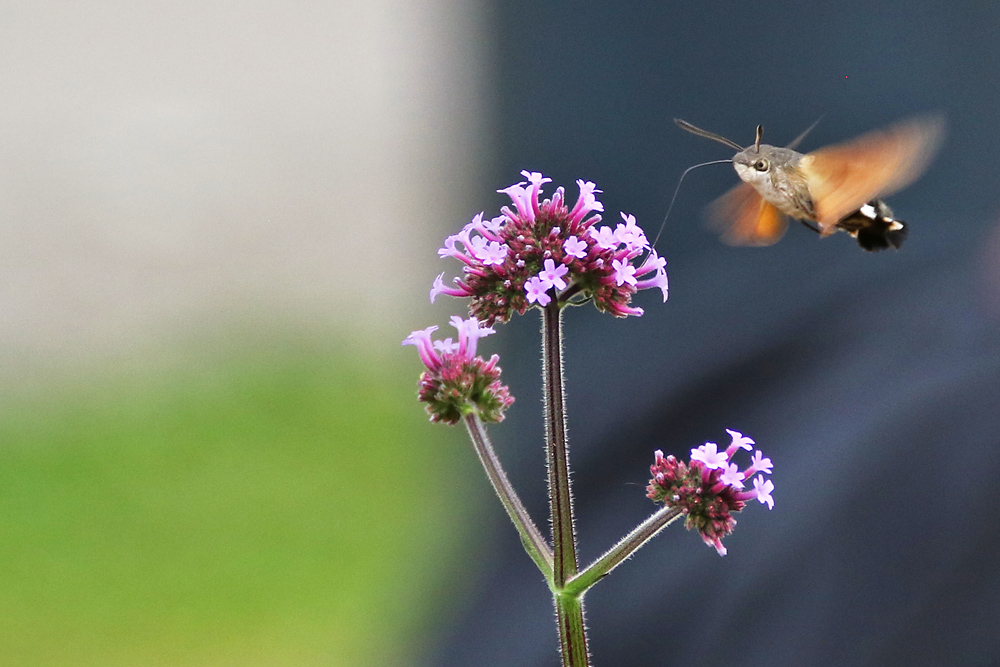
{"x":834,"y":188}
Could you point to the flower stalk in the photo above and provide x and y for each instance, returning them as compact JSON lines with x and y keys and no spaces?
{"x":569,"y":607}
{"x":532,"y":539}
{"x":618,"y":554}
{"x":557,"y":453}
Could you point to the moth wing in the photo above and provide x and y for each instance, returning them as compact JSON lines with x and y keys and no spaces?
{"x":798,"y":140}
{"x":742,"y":217}
{"x":845,"y":176}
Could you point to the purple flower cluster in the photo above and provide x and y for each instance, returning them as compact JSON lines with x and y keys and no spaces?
{"x":541,"y":250}
{"x":457,"y":382}
{"x":709,"y":490}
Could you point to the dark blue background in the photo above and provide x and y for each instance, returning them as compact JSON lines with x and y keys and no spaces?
{"x":871,"y":380}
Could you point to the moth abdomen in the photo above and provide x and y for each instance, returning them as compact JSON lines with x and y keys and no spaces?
{"x":875,"y":227}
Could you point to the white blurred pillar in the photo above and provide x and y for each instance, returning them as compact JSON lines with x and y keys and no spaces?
{"x":172,"y":167}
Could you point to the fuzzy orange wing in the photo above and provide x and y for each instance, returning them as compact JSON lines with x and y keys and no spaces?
{"x":845,"y":176}
{"x":742,"y":217}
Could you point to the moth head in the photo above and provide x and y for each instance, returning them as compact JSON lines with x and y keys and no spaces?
{"x":755,"y":164}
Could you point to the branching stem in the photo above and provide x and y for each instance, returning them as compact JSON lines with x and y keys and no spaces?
{"x":531,"y":537}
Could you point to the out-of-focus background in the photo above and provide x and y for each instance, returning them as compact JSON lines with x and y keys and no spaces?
{"x":218,"y":220}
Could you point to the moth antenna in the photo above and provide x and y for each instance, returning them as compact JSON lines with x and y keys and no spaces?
{"x":760,"y":133}
{"x":678,"y":189}
{"x":684,"y":125}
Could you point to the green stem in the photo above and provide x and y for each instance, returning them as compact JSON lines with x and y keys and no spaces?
{"x":557,"y":454}
{"x":532,"y":539}
{"x":628,"y":545}
{"x":572,"y":630}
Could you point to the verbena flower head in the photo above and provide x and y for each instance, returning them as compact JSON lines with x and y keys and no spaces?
{"x":457,"y":382}
{"x":539,"y":250}
{"x":709,"y":489}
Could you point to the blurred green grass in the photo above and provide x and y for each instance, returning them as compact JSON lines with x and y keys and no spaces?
{"x":277,"y":504}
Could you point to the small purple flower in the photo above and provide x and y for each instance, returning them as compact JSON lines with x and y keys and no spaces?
{"x":494,"y":225}
{"x":709,"y":489}
{"x":536,"y":290}
{"x":759,"y":464}
{"x":519,"y":196}
{"x":537,"y":181}
{"x":605,"y":237}
{"x":425,"y":347}
{"x":630,"y":234}
{"x":440,"y":288}
{"x":709,"y":455}
{"x":477,"y":244}
{"x":574,"y":247}
{"x":446,"y":345}
{"x":469,"y":333}
{"x":624,"y":272}
{"x":449,"y":249}
{"x":732,"y":476}
{"x":659,"y":280}
{"x":740,"y":441}
{"x":552,"y":275}
{"x":763,"y":489}
{"x":457,"y":382}
{"x":562,"y":246}
{"x":494,"y":253}
{"x":587,"y":201}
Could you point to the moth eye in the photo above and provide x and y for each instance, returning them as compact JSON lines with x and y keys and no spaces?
{"x":762,"y":165}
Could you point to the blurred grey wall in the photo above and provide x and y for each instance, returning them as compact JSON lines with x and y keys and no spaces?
{"x":171,"y":167}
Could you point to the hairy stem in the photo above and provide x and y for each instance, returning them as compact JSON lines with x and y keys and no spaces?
{"x":531,"y":537}
{"x":572,"y":631}
{"x":569,"y":607}
{"x":628,"y":545}
{"x":557,"y":453}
